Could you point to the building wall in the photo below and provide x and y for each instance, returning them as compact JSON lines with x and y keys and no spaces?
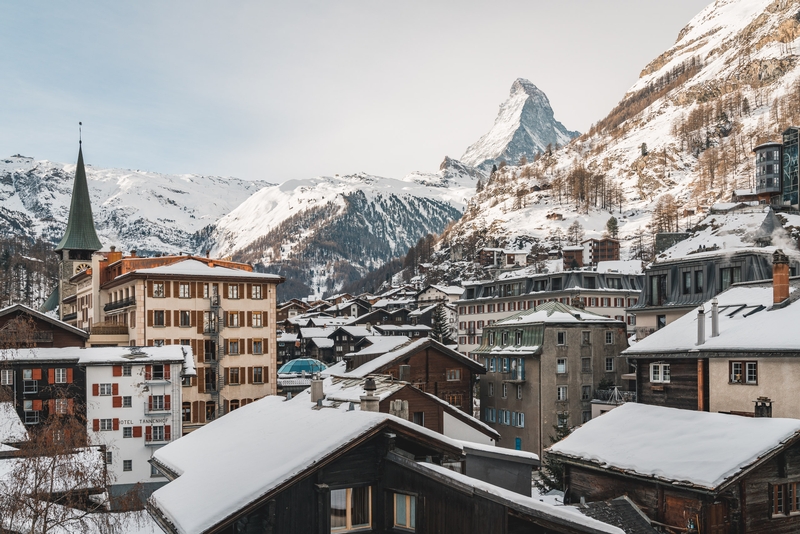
{"x":680,"y":392}
{"x":457,"y":429}
{"x":34,"y":397}
{"x":778,"y":379}
{"x":139,"y":388}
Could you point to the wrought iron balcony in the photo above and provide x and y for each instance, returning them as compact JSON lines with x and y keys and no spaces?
{"x":124,"y":303}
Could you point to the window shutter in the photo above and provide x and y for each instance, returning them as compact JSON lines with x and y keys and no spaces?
{"x":167,"y":318}
{"x":264,"y":291}
{"x":194,"y":381}
{"x":264,"y":318}
{"x":167,"y":368}
{"x":225,"y":346}
{"x":148,"y":433}
{"x":224,"y":290}
{"x":115,"y":389}
{"x":193,"y":318}
{"x":224,"y":318}
{"x":149,"y":317}
{"x":37,"y":404}
{"x":168,"y":432}
{"x":95,"y":389}
{"x":227,"y":376}
{"x":149,"y":342}
{"x":176,"y":288}
{"x":51,"y":406}
{"x":69,"y":375}
{"x":241,"y":291}
{"x":51,"y":376}
{"x":201,"y":380}
{"x":248,"y":287}
{"x":116,"y":402}
{"x":96,"y":425}
{"x":249,"y":346}
{"x":167,"y":292}
{"x":266,"y":375}
{"x":241,"y":318}
{"x":137,"y":432}
{"x":194,"y":411}
{"x":70,"y":407}
{"x":115,"y":424}
{"x":150,"y":403}
{"x":243,"y":375}
{"x":116,"y":370}
{"x":197,"y":320}
{"x":176,"y":341}
{"x":176,"y":317}
{"x":192,"y":290}
{"x":249,"y":375}
{"x":249,"y":318}
{"x":167,"y":405}
{"x":226,"y":406}
{"x":201,"y":415}
{"x":150,"y":288}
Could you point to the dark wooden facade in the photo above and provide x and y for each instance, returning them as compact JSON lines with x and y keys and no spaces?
{"x":24,"y":327}
{"x":745,"y":504}
{"x":687,"y":378}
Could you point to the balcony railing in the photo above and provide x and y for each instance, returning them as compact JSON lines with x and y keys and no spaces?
{"x":109,"y":329}
{"x":116,"y":305}
{"x":70,"y":317}
{"x":155,"y":439}
{"x":614,"y":395}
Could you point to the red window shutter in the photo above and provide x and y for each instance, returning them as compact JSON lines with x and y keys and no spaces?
{"x":115,"y":422}
{"x":115,"y":389}
{"x":193,"y":318}
{"x":70,"y":407}
{"x":69,"y":375}
{"x":167,"y":404}
{"x":116,"y":370}
{"x":177,"y":288}
{"x":193,"y":289}
{"x":96,"y":425}
{"x":226,"y":406}
{"x":150,"y":288}
{"x":197,"y":320}
{"x":150,"y":403}
{"x":264,"y":290}
{"x":168,"y":432}
{"x":137,"y":432}
{"x":148,"y":433}
{"x":194,"y":381}
{"x":116,"y":402}
{"x":149,"y":317}
{"x":95,"y":389}
{"x":201,"y":413}
{"x":148,"y":372}
{"x":264,"y":318}
{"x":37,"y":404}
{"x":51,"y":406}
{"x":51,"y":375}
{"x":248,"y":287}
{"x":166,"y":371}
{"x":249,"y":318}
{"x":224,"y":318}
{"x":225,"y":345}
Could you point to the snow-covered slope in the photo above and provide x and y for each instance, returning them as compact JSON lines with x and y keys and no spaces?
{"x":146,"y":211}
{"x":686,"y":129}
{"x":525,"y":126}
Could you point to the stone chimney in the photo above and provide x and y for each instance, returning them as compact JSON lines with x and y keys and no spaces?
{"x":701,"y":326}
{"x":369,"y":401}
{"x":316,"y":389}
{"x":780,"y":277}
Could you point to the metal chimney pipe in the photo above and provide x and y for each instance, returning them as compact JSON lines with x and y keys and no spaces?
{"x":701,"y":326}
{"x":714,"y":318}
{"x":316,"y":389}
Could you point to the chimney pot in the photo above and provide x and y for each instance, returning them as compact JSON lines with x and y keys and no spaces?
{"x":714,"y":318}
{"x":701,"y":326}
{"x":780,"y":277}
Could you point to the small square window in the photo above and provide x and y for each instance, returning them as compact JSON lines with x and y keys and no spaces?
{"x":127,"y":432}
{"x":609,"y":338}
{"x":105,"y":389}
{"x":61,"y":376}
{"x":562,"y":338}
{"x":126,"y":369}
{"x":127,"y":402}
{"x":127,"y":465}
{"x":609,"y":365}
{"x":106,"y":425}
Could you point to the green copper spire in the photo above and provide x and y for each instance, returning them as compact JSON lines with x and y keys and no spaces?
{"x":80,"y":233}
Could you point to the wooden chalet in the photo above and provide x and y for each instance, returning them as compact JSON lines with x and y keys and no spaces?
{"x":689,"y":471}
{"x":21,"y":326}
{"x":428,"y":365}
{"x":336,"y":470}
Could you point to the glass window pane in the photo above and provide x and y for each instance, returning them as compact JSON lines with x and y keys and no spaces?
{"x":400,"y":510}
{"x":359,"y":507}
{"x":338,"y":509}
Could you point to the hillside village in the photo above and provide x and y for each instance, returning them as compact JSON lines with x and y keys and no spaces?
{"x":593,"y":336}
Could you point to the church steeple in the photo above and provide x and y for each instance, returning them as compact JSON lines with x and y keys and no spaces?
{"x":80,"y":234}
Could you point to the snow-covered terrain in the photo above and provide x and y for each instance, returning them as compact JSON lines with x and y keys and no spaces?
{"x":525,"y":126}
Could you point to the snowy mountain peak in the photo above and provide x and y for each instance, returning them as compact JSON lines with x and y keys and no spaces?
{"x":524,"y":127}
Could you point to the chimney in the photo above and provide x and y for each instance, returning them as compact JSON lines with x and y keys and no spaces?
{"x":714,"y":318}
{"x":369,"y":401}
{"x":316,"y":389}
{"x":405,"y":373}
{"x":399,"y":408}
{"x":701,"y":326}
{"x":133,"y":253}
{"x":208,"y":253}
{"x":780,"y":277}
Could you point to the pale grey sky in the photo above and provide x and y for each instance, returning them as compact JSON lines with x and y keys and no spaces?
{"x":290,"y":89}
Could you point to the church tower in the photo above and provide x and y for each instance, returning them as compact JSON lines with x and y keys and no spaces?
{"x":80,"y":238}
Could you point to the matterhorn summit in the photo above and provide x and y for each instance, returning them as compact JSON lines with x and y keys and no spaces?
{"x":524,"y":127}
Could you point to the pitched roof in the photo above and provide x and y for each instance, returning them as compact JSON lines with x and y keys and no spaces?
{"x":289,"y":439}
{"x":80,"y":233}
{"x":682,"y":447}
{"x":44,"y":317}
{"x":389,"y":358}
{"x":554,"y":312}
{"x":192,"y":267}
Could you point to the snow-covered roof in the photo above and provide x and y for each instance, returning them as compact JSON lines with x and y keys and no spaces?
{"x":12,"y":430}
{"x":45,"y":317}
{"x":381,"y":344}
{"x":620,"y":267}
{"x":569,"y":515}
{"x":512,"y":453}
{"x":408,"y":349}
{"x":287,"y":438}
{"x":448,"y":290}
{"x":677,"y":446}
{"x":747,"y":323}
{"x":192,"y":267}
{"x":321,"y":342}
{"x":315,"y":331}
{"x":554,"y":312}
{"x":111,"y":355}
{"x":383,"y":303}
{"x":402,"y":327}
{"x":287,"y":338}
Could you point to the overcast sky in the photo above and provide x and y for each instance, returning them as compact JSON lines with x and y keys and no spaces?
{"x":275,"y":90}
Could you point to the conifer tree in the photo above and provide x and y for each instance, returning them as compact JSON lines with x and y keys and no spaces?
{"x":440,"y":329}
{"x":551,"y":475}
{"x":612,"y":227}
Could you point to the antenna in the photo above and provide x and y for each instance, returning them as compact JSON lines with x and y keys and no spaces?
{"x":80,"y":141}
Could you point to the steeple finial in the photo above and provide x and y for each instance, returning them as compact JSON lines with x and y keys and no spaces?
{"x":80,"y":133}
